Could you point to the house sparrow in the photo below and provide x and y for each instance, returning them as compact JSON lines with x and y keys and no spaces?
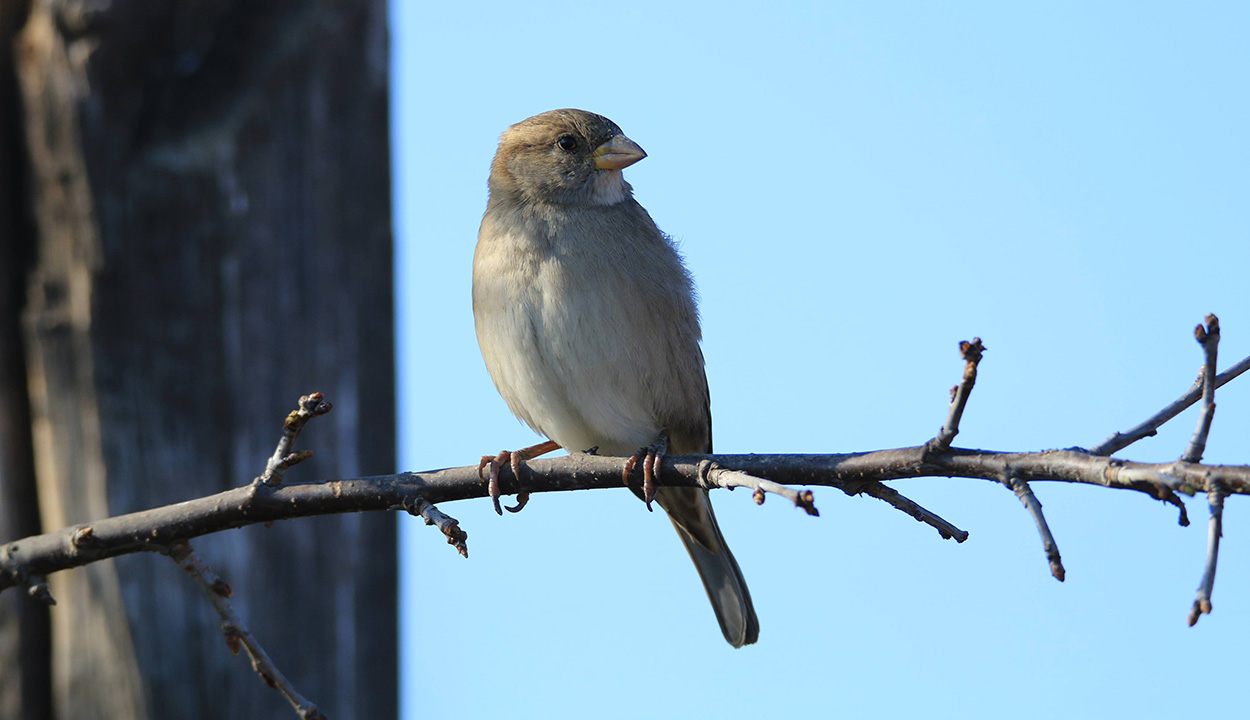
{"x":586,"y":319}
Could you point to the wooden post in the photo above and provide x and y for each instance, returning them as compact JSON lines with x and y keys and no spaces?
{"x":211,"y":201}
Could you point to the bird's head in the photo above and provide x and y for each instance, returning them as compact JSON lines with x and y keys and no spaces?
{"x":564,"y":157}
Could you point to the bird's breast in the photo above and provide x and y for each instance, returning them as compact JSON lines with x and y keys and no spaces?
{"x":568,"y":341}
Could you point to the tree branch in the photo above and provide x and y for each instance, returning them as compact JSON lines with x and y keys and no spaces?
{"x":1150,"y":426}
{"x":310,"y":406}
{"x":1215,"y":530}
{"x":1209,"y":338}
{"x":264,"y":500}
{"x":446,"y":524}
{"x":1034,"y":506}
{"x":971,"y":353}
{"x":237,"y":635}
{"x":152,"y":530}
{"x":889,"y":495}
{"x":759,"y":487}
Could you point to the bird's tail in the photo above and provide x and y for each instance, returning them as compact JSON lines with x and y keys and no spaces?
{"x":690,"y":509}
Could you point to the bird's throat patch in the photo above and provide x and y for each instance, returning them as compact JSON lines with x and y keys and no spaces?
{"x":609,"y":188}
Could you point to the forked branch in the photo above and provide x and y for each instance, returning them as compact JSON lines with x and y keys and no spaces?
{"x":27,"y":561}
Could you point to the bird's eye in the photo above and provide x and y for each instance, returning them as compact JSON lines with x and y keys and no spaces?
{"x":567,"y":143}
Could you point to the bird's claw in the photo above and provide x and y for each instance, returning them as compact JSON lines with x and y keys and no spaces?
{"x":491,"y":463}
{"x":521,"y":499}
{"x":651,"y":455}
{"x":515,"y":459}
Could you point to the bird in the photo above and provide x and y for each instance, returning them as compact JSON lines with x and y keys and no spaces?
{"x":587,"y":322}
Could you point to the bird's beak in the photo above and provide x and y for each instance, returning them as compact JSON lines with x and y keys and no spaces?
{"x":618,"y":153}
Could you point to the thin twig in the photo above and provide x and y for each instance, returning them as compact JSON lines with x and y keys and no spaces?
{"x":1150,"y":426}
{"x":1215,"y":530}
{"x":237,"y":635}
{"x":1209,"y":338}
{"x":895,"y":499}
{"x":730,"y":479}
{"x":1034,"y":506}
{"x":310,"y":406}
{"x":971,"y":353}
{"x":449,"y":526}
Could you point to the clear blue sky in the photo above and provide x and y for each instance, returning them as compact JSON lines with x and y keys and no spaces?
{"x":856,"y":188}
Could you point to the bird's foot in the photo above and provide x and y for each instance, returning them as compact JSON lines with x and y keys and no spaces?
{"x":514,"y":459}
{"x":651,"y":456}
{"x":491,"y":478}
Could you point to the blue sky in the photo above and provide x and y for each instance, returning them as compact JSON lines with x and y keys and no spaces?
{"x":856,"y":188}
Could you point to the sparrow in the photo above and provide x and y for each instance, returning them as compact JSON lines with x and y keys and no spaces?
{"x":586,"y":318}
